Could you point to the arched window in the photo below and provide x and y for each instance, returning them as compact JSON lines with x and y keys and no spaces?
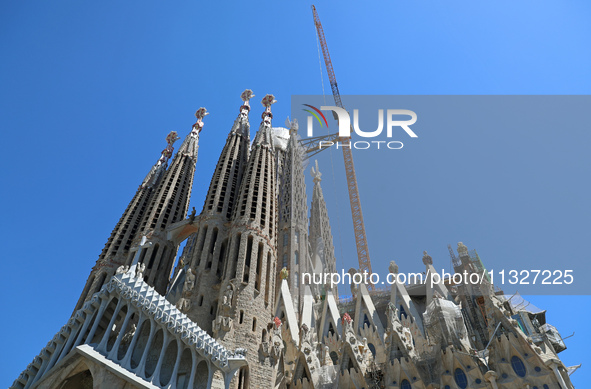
{"x":285,"y":260}
{"x":402,"y":312}
{"x":297,"y":257}
{"x":285,"y":238}
{"x":334,"y":357}
{"x":518,"y":366}
{"x":366,"y":321}
{"x":80,"y":380}
{"x":372,"y":348}
{"x":405,"y":385}
{"x":460,"y":378}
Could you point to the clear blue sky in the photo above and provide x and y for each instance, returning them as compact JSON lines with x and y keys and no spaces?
{"x":90,"y":90}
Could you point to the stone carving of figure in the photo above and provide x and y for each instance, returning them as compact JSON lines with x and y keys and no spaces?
{"x":183,"y":304}
{"x":189,"y":281}
{"x":284,"y":273}
{"x":427,"y":260}
{"x":129,"y":334}
{"x":122,"y":269}
{"x":139,"y":271}
{"x":228,"y":294}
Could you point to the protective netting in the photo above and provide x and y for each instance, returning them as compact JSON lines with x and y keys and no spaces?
{"x":518,"y":303}
{"x":280,"y":137}
{"x":444,"y":322}
{"x":554,"y":337}
{"x":327,"y":377}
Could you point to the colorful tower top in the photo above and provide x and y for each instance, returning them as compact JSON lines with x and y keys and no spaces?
{"x":246,"y":96}
{"x":199,"y":114}
{"x":264,"y":136}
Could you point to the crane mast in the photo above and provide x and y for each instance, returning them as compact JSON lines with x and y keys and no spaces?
{"x":357,"y":214}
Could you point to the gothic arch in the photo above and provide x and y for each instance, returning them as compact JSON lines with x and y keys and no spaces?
{"x":170,"y":356}
{"x":184,"y":370}
{"x":154,"y":353}
{"x":201,"y":375}
{"x":79,"y":378}
{"x":243,"y":378}
{"x":138,"y":350}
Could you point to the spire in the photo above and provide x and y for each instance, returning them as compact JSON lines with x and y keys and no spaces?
{"x":251,"y":263}
{"x":191,"y":143}
{"x":293,"y":218}
{"x":241,"y":124}
{"x":168,"y":205}
{"x":230,"y":167}
{"x":321,"y":243}
{"x":159,"y":168}
{"x":116,"y":250}
{"x":205,"y":252}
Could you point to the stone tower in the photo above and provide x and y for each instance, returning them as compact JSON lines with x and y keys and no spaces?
{"x":116,"y":250}
{"x":206,"y":251}
{"x":292,"y":244}
{"x":321,"y":243}
{"x":246,"y":299}
{"x":168,"y":205}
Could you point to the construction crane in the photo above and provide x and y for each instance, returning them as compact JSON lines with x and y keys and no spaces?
{"x":312,"y":146}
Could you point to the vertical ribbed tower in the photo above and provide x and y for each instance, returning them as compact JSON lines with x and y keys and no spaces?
{"x":321,"y":244}
{"x":168,"y":205}
{"x":116,"y":250}
{"x":247,"y":298}
{"x":207,"y":249}
{"x":292,"y":243}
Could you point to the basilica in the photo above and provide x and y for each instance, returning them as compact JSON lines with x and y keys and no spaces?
{"x":235,"y":310}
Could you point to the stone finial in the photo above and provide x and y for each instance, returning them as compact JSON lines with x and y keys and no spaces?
{"x":315,"y":173}
{"x":393,"y":268}
{"x":200,"y":114}
{"x":172,"y":137}
{"x":462,"y":249}
{"x":346,"y":318}
{"x":277,"y":322}
{"x":245,"y":108}
{"x":267,"y":115}
{"x":246,"y":96}
{"x":292,"y":125}
{"x":284,"y":273}
{"x":427,"y":260}
{"x":167,"y":152}
{"x":267,"y":101}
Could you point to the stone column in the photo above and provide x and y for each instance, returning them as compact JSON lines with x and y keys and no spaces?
{"x":553,"y":364}
{"x":491,"y":376}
